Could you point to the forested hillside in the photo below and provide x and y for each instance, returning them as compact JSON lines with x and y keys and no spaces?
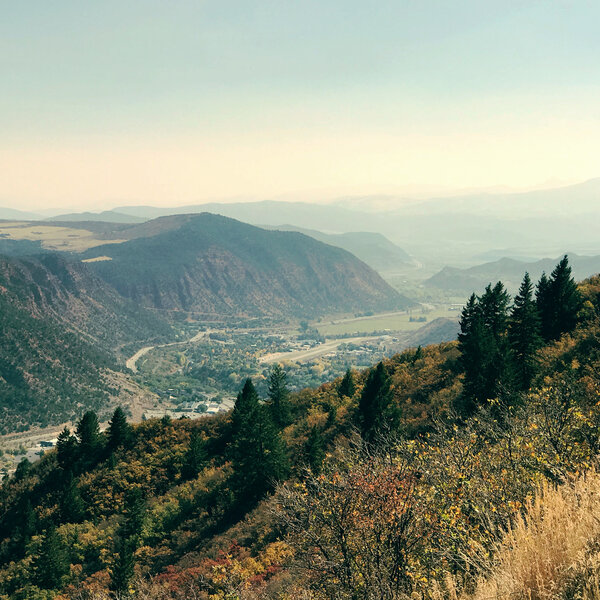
{"x":392,"y":483}
{"x":59,"y":334}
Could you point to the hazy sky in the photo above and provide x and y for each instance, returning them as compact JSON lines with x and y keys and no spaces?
{"x":107,"y":102}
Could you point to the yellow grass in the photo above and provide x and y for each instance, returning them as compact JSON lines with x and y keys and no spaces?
{"x":553,"y":550}
{"x":53,"y":238}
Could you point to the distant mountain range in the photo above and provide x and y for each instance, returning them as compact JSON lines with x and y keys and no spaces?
{"x":214,"y":265}
{"x":107,"y":216}
{"x":507,"y":270}
{"x":448,"y":229}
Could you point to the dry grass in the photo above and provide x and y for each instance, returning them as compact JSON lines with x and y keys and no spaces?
{"x":553,"y":550}
{"x":54,"y":237}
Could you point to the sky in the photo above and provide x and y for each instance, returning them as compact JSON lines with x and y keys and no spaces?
{"x":105,"y":103}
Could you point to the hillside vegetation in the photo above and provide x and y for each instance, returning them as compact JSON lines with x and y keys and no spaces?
{"x":60,"y":330}
{"x":413,"y":479}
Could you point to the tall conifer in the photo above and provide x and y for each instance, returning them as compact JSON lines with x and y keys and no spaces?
{"x":377,"y":412}
{"x":524,"y":335}
{"x":279,"y":397}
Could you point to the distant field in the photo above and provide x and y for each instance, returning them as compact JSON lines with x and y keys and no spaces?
{"x":53,"y":238}
{"x":393,"y":322}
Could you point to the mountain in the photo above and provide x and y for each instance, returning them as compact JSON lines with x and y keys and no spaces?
{"x":18,"y":215}
{"x":507,"y":270}
{"x":579,"y":199}
{"x":440,"y":230}
{"x":107,"y":216}
{"x":212,"y":264}
{"x":67,"y":292}
{"x":372,"y":248}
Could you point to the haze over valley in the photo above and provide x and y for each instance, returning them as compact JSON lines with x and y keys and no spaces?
{"x":300,"y":300}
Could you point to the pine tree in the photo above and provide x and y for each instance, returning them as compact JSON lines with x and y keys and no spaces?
{"x":566,"y":299}
{"x":279,"y":397}
{"x":72,"y":507}
{"x":195,"y":457}
{"x":88,"y":434}
{"x":123,"y":568}
{"x":484,"y":348}
{"x":558,"y":301}
{"x":524,"y":335}
{"x":119,"y":431}
{"x":544,"y":305}
{"x":127,"y":541}
{"x":347,"y":386}
{"x":257,"y":451}
{"x":376,"y":410}
{"x":315,"y":451}
{"x":66,"y":449}
{"x":53,"y":561}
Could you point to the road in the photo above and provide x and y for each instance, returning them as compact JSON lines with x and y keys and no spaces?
{"x":131,"y":363}
{"x":303,"y":355}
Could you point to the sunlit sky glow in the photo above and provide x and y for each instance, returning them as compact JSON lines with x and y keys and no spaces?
{"x":107,"y":103}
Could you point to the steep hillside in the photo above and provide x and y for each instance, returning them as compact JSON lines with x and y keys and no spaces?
{"x":211,"y":264}
{"x":51,"y":287}
{"x":508,"y":270}
{"x":59,"y":329}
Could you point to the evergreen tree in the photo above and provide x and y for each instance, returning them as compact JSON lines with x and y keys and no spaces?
{"x":27,"y":524}
{"x":72,"y":507}
{"x":315,"y":451}
{"x":566,"y":299}
{"x":88,"y":434}
{"x":279,"y":397}
{"x":123,"y":568}
{"x":22,"y":469}
{"x":347,"y":386}
{"x":494,"y":309}
{"x":558,"y":301}
{"x":544,"y":305}
{"x":66,"y":449}
{"x":257,"y":451}
{"x":195,"y":457}
{"x":127,"y":541}
{"x":524,"y":335}
{"x":119,"y":431}
{"x":53,"y":561}
{"x":483,"y":347}
{"x":376,"y":410}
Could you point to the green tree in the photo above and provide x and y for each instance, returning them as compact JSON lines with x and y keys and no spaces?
{"x":484,"y":347}
{"x":72,"y":507}
{"x":123,"y":568}
{"x":257,"y":451}
{"x":347,"y":386}
{"x":279,"y":397}
{"x":195,"y":456}
{"x":52,"y":564}
{"x":66,"y":449}
{"x":128,"y":540}
{"x":315,"y":451}
{"x":559,"y":301}
{"x":119,"y":430}
{"x":377,"y":412}
{"x":88,"y":434}
{"x":524,"y":335}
